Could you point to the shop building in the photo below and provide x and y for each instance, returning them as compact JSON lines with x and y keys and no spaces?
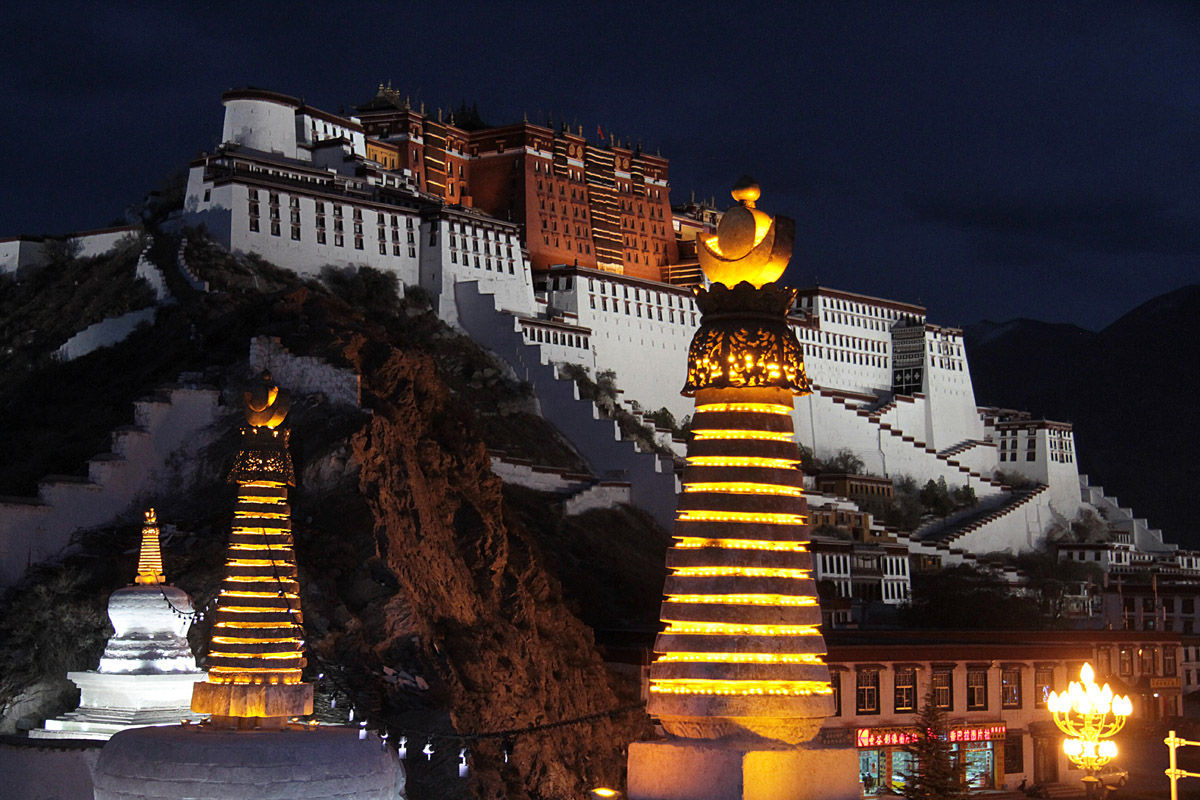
{"x":992,"y":686}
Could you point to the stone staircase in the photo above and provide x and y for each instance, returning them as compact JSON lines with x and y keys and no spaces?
{"x":953,"y":529}
{"x":146,"y":459}
{"x":114,"y":330}
{"x":598,"y":440}
{"x":1140,"y":533}
{"x":950,"y":465}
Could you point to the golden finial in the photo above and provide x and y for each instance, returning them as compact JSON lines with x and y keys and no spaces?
{"x":266,"y":403}
{"x":749,"y":245}
{"x":150,"y":567}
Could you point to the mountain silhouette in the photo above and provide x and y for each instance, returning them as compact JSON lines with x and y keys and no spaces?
{"x":1130,"y":390}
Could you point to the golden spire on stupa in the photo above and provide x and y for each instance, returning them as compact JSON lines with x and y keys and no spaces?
{"x":741,"y":655}
{"x":150,"y":566}
{"x":257,"y":650}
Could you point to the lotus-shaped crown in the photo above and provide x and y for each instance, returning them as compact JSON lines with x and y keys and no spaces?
{"x":749,"y":245}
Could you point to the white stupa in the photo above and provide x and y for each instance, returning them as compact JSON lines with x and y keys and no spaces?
{"x":147,"y":671}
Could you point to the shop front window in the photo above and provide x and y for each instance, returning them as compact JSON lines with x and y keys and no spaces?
{"x":978,"y":763}
{"x":869,"y":763}
{"x":903,"y":765}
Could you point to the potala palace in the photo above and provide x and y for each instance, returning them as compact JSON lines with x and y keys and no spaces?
{"x":550,"y":249}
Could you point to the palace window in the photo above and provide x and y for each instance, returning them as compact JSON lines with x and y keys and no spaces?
{"x":1169,"y":667}
{"x":835,"y":683}
{"x":274,"y":228}
{"x":977,"y":689}
{"x":321,"y":236}
{"x":906,"y":690}
{"x":943,"y":688}
{"x":867,"y":692}
{"x":1010,"y":687}
{"x":1126,"y":661}
{"x":1149,"y":656}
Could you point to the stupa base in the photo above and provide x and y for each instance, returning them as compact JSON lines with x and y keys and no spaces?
{"x":686,"y":770}
{"x":114,"y":702}
{"x":253,"y":700}
{"x":199,"y":762}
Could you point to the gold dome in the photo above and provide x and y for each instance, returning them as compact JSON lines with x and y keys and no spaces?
{"x":749,"y":245}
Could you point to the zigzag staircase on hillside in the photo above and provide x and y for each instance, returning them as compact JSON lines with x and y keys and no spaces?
{"x":950,"y":530}
{"x":875,"y":417}
{"x":597,"y":439}
{"x":140,"y":464}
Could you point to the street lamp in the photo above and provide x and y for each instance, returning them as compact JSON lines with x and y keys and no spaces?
{"x":1090,"y":716}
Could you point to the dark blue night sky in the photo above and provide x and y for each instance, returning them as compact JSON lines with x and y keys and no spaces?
{"x":989,"y":159}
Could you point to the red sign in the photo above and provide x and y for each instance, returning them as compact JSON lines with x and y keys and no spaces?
{"x":983,"y":734}
{"x":889,"y":737}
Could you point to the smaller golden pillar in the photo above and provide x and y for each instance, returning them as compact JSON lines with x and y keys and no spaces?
{"x":150,"y":566}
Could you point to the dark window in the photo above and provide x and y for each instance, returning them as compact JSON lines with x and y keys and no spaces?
{"x":835,"y":683}
{"x":867,"y":696}
{"x":906,"y":690}
{"x":976,"y":690}
{"x":1010,"y":687}
{"x":943,"y":689}
{"x":1014,"y":753}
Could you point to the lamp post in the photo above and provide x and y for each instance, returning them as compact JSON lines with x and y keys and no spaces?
{"x":1090,"y":716}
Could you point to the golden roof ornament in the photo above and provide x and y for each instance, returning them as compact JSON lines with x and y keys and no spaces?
{"x":749,"y":245}
{"x":264,"y":452}
{"x":266,"y":404}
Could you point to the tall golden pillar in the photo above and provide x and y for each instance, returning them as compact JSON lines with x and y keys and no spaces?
{"x":739,"y":682}
{"x":257,"y":649}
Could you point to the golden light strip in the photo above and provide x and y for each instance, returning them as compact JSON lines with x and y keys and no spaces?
{"x":767,"y":436}
{"x":748,"y":572}
{"x":742,"y":658}
{"x":688,"y":686}
{"x":282,"y":655}
{"x":745,"y":599}
{"x":272,"y":640}
{"x":742,"y":516}
{"x":755,"y":408}
{"x":738,"y":629}
{"x":742,"y":461}
{"x":740,"y":487}
{"x":688,"y":542}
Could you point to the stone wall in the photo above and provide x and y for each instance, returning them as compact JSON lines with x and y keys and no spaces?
{"x":151,"y":457}
{"x":304,"y":374}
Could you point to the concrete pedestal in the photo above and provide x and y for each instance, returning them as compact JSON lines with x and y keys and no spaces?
{"x":198,"y":762}
{"x":681,"y":770}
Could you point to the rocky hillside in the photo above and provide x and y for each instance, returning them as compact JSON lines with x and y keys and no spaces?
{"x":1130,"y":391}
{"x":435,"y":603}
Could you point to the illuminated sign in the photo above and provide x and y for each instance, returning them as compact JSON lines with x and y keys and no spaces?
{"x":890,"y":737}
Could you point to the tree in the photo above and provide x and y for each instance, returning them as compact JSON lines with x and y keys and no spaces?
{"x":936,"y":773}
{"x":845,"y":462}
{"x":967,"y":597}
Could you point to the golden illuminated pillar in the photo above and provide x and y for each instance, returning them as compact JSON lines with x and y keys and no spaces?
{"x":150,"y":566}
{"x":257,"y":649}
{"x":741,"y":656}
